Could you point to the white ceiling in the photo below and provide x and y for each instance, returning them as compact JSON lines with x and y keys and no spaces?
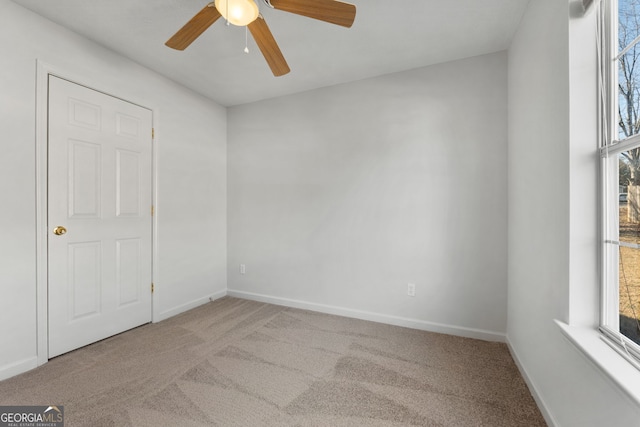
{"x":387,"y":36}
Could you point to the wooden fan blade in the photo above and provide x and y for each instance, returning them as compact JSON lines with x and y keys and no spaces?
{"x":335,"y":12}
{"x":192,"y":29}
{"x":268,"y":46}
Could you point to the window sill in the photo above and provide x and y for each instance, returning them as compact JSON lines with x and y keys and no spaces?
{"x":589,"y":341}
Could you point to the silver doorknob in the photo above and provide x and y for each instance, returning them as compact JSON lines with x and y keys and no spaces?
{"x":59,"y":230}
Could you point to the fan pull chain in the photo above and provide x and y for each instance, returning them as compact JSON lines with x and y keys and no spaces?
{"x":246,"y":39}
{"x":227,"y":13}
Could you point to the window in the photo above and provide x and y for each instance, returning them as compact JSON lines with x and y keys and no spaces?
{"x":619,"y":23}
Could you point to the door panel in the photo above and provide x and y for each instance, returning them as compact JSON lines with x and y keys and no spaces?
{"x":128,"y":268}
{"x":85,"y":160}
{"x":84,"y":114}
{"x":128,"y":200}
{"x":99,"y":190}
{"x":128,"y":126}
{"x":85,"y":279}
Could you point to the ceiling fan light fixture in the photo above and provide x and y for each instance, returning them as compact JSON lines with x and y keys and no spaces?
{"x":239,"y":12}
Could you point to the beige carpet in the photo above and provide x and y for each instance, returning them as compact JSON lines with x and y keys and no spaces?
{"x":234,"y":362}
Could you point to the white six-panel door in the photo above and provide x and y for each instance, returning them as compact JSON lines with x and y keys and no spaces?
{"x":99,"y":216}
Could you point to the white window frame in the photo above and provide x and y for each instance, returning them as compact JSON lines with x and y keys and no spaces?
{"x":610,"y":148}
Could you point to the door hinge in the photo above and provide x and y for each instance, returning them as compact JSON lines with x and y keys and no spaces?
{"x":153,"y":133}
{"x":152,"y":288}
{"x":153,"y":210}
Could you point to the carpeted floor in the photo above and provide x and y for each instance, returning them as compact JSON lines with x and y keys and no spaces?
{"x":234,"y":362}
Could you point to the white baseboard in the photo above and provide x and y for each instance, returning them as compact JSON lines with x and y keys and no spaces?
{"x":532,"y":387}
{"x":188,"y":306}
{"x":25,"y":365}
{"x":374,"y":317}
{"x":18,"y":367}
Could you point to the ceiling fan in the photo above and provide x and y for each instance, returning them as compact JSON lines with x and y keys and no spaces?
{"x":246,"y":13}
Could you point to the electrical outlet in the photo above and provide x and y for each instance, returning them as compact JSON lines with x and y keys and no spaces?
{"x":243,"y":269}
{"x":411,"y":289}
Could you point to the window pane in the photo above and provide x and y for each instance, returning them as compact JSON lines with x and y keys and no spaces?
{"x":629,"y":22}
{"x":629,"y":93}
{"x":629,"y":233}
{"x":628,"y":68}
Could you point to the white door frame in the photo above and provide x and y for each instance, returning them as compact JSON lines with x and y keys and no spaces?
{"x":43,"y":70}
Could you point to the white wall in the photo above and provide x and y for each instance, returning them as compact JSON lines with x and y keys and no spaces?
{"x":191,"y":175}
{"x":553,"y":236}
{"x":341,"y":196}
